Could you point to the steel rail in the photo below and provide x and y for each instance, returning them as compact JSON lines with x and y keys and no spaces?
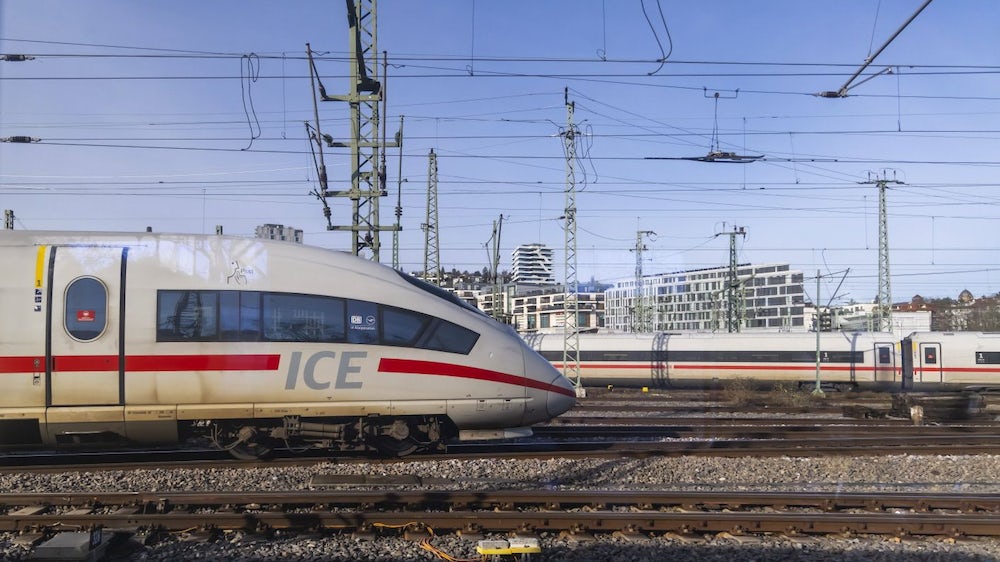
{"x":580,"y":511}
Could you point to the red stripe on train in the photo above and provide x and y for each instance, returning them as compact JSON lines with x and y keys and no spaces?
{"x":730,"y":367}
{"x":140,"y":363}
{"x":410,"y":366}
{"x":22,"y":364}
{"x":247,"y":362}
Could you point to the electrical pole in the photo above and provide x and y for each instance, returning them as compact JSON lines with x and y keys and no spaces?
{"x":639,"y":323}
{"x":734,"y":294}
{"x":399,"y":198}
{"x":818,"y":326}
{"x":367,"y":172}
{"x":432,"y":252}
{"x":818,"y":390}
{"x":496,"y":308}
{"x":571,"y":303}
{"x":883,"y":303}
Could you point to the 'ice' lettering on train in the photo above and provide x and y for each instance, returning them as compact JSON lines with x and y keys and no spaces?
{"x":344,"y":369}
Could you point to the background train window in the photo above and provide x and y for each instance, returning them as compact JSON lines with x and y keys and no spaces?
{"x":883,"y":355}
{"x":402,"y":327}
{"x":930,"y":355}
{"x":305,"y":318}
{"x":362,"y":322}
{"x":449,"y":337}
{"x":187,"y":316}
{"x":86,"y":310}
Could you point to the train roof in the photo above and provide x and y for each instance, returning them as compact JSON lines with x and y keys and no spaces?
{"x":10,"y":238}
{"x":291,"y":250}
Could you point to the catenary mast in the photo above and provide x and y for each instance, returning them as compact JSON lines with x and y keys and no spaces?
{"x":432,"y":251}
{"x":571,"y":303}
{"x":364,"y":97}
{"x":883,"y":303}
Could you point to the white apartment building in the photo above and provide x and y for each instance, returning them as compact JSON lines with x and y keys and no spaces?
{"x":696,"y":300}
{"x":532,"y":265}
{"x":541,"y":311}
{"x":278,"y":232}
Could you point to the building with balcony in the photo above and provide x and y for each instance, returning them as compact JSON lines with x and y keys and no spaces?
{"x":532,"y":265}
{"x":543,"y":310}
{"x":278,"y":232}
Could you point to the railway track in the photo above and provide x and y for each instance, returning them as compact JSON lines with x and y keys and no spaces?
{"x":359,"y":507}
{"x":517,"y":511}
{"x":752,"y":429}
{"x":581,"y":447}
{"x":591,"y":438}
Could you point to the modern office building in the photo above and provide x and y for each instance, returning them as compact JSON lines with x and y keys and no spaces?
{"x":770,"y":297}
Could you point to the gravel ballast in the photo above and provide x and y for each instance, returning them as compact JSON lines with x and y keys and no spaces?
{"x":909,"y":473}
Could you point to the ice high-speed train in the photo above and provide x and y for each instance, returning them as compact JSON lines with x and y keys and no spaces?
{"x":253,"y":344}
{"x":920,"y":361}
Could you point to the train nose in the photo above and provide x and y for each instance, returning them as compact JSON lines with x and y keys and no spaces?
{"x":549,"y":389}
{"x":561,"y":396}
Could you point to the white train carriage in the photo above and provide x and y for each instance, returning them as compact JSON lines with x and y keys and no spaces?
{"x":157,"y":338}
{"x":708,"y":359}
{"x":951,"y":360}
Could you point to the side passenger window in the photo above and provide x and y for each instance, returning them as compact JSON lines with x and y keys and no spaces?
{"x":187,"y":316}
{"x":401,"y":327}
{"x":86,"y":313}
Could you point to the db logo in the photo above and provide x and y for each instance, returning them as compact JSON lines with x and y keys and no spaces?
{"x":357,"y":320}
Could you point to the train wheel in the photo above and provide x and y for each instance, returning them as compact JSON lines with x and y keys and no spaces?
{"x":250,"y":445}
{"x":392,"y":447}
{"x":394,"y":439}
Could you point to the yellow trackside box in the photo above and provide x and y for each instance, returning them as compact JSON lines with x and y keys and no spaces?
{"x":508,"y":547}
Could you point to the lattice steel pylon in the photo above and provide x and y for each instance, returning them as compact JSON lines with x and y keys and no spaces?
{"x":734,"y":290}
{"x":571,"y":302}
{"x":883,"y":303}
{"x":640,"y":323}
{"x":432,"y":251}
{"x":367,"y":173}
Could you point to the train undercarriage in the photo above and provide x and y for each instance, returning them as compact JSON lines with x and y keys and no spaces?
{"x":389,"y":436}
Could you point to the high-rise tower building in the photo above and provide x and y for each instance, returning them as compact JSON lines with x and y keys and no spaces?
{"x":532,"y":265}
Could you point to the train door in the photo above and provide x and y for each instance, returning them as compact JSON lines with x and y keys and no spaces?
{"x":929,"y":368}
{"x":885,"y":362}
{"x":85,"y":335}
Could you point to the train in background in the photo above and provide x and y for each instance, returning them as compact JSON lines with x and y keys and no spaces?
{"x":847,"y":360}
{"x":115,"y":339}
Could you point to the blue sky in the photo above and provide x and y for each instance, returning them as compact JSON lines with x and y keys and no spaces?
{"x":140,"y":110}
